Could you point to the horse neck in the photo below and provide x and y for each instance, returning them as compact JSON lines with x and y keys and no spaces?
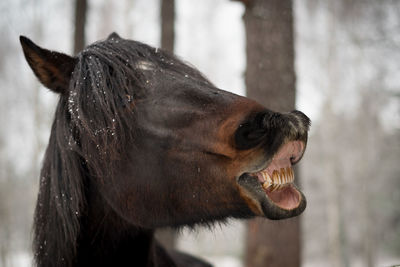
{"x":107,"y":240}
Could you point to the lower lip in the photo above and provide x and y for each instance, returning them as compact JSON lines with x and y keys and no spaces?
{"x":287,"y":197}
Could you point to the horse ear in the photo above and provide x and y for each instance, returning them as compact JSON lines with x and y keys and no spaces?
{"x":53,"y":69}
{"x":114,"y":35}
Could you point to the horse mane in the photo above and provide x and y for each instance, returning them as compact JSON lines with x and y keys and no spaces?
{"x":89,"y":133}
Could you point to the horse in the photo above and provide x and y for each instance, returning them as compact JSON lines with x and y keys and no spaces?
{"x":142,"y":140}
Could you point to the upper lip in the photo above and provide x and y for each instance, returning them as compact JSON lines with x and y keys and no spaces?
{"x":294,"y":159}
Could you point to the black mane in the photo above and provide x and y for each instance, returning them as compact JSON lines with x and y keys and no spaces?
{"x":91,"y":127}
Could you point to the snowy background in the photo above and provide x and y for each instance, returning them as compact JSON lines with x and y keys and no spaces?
{"x":348,"y":82}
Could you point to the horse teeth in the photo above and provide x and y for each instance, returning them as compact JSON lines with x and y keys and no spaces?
{"x":269,"y":179}
{"x":284,"y":176}
{"x":275,"y":187}
{"x":278,"y":178}
{"x":271,"y":188}
{"x":275,"y":177}
{"x":264,"y":175}
{"x":292,"y":174}
{"x":266,"y":185}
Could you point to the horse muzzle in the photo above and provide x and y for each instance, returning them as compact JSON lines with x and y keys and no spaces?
{"x":269,"y":188}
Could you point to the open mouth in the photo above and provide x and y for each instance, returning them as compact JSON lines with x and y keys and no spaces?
{"x":274,"y":186}
{"x":277,"y":179}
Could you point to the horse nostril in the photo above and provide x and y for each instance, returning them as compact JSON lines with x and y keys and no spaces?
{"x":251,"y":132}
{"x":245,"y":137}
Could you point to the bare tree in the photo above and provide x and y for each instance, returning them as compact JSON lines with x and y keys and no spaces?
{"x":270,"y":79}
{"x":167,"y":24}
{"x":167,"y":236}
{"x":80,"y":21}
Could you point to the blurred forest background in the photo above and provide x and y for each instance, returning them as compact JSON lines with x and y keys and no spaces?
{"x":347,"y":64}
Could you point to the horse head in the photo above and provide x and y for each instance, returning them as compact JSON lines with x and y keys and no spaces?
{"x":160,"y":144}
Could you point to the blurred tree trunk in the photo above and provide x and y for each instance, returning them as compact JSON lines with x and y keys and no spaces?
{"x":167,"y":237}
{"x":80,"y":20}
{"x":167,"y":24}
{"x":270,"y":79}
